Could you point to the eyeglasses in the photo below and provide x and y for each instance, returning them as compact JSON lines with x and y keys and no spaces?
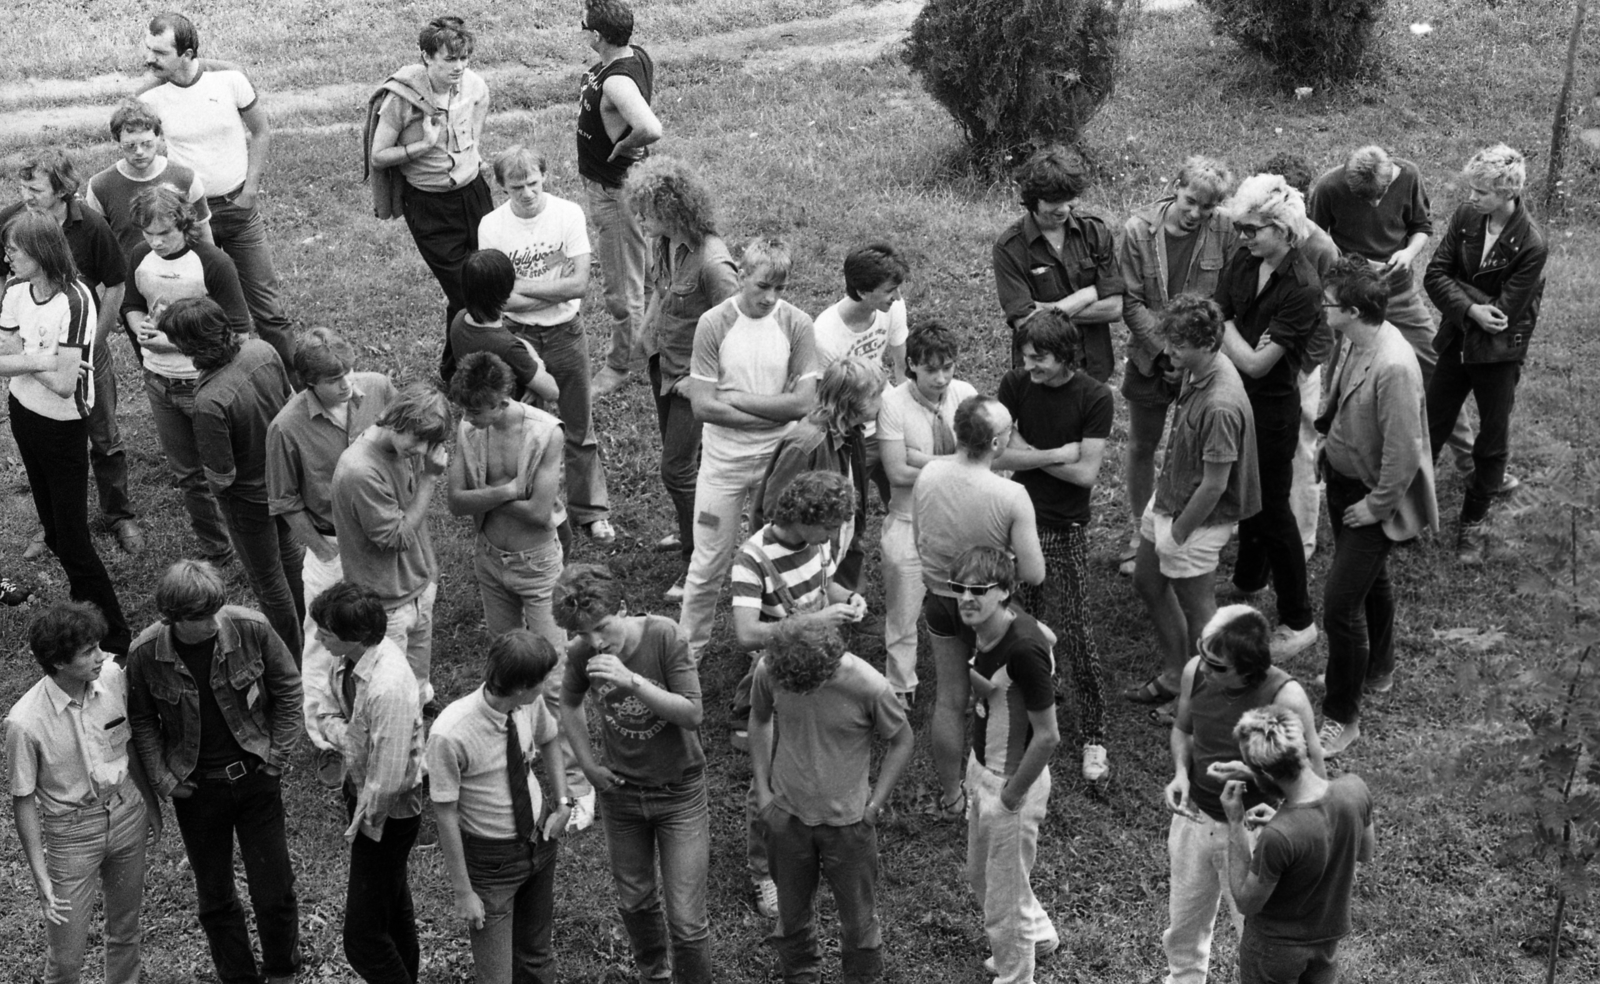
{"x":1331,"y":304}
{"x":1212,"y":664}
{"x":975,"y":590}
{"x":1247,"y":230}
{"x":12,"y":249}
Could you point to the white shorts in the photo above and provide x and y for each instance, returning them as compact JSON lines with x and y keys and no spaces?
{"x":1195,"y":556}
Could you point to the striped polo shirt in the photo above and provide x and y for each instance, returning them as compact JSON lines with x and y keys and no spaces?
{"x":805,"y":570}
{"x":66,"y":320}
{"x":1020,"y":667}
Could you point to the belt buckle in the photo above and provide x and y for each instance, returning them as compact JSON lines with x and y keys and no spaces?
{"x":242,"y":771}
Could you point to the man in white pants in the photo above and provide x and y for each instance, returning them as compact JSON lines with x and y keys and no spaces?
{"x":304,"y":443}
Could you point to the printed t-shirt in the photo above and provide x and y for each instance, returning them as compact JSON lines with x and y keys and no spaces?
{"x":196,"y":270}
{"x":203,"y":128}
{"x":66,"y":320}
{"x":767,"y":356}
{"x":539,"y":248}
{"x":1311,"y":849}
{"x":1049,"y":417}
{"x":904,"y":418}
{"x":639,"y":745}
{"x":836,"y":340}
{"x":466,"y":759}
{"x":1020,"y":667}
{"x":824,"y":740}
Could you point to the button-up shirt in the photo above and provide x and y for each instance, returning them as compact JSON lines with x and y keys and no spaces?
{"x":304,"y":444}
{"x":1027,"y":268}
{"x":379,"y":734}
{"x":233,"y":406}
{"x":1211,"y":422}
{"x":70,"y":753}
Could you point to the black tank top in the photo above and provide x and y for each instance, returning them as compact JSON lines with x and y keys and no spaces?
{"x":594,"y":146}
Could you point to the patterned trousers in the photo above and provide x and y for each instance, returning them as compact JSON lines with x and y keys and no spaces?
{"x":1062,"y":603}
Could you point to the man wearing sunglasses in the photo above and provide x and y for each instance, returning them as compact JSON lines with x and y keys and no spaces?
{"x":1231,"y":674}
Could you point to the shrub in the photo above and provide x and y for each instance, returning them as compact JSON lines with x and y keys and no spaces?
{"x":1017,"y":74}
{"x":1307,"y":41}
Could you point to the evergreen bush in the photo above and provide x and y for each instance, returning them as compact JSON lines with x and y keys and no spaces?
{"x":1017,"y":74}
{"x":1308,"y":42}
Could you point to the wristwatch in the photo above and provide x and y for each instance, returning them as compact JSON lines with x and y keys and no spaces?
{"x":567,"y":801}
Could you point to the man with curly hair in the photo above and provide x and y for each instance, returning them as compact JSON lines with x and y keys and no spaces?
{"x":1056,"y":257}
{"x":814,"y":711}
{"x":242,"y":387}
{"x":651,"y":783}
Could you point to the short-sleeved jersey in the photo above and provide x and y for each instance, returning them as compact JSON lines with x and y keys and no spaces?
{"x":66,"y":320}
{"x":540,"y":248}
{"x":112,"y":191}
{"x":204,"y":128}
{"x":1020,"y":668}
{"x":197,"y":270}
{"x":836,"y":340}
{"x":804,"y":570}
{"x":753,"y":355}
{"x":1050,"y":417}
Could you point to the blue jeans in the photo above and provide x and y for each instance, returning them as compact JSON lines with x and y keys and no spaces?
{"x":241,"y":233}
{"x":669,"y":823}
{"x":172,"y":410}
{"x":1268,"y":962}
{"x":798,"y":854}
{"x":84,"y":850}
{"x":1357,"y":602}
{"x":565,"y":352}
{"x":516,"y":883}
{"x":272,"y":560}
{"x":619,"y":245}
{"x":680,"y":454}
{"x":106,"y":454}
{"x":252,"y":808}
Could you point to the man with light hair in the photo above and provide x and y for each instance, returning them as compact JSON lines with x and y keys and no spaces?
{"x":1376,"y":207}
{"x":1269,"y":295}
{"x":1179,"y":244}
{"x":752,"y":375}
{"x":547,"y":240}
{"x":1295,"y":883}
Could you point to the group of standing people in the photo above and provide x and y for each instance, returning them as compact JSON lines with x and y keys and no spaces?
{"x":1288,"y":342}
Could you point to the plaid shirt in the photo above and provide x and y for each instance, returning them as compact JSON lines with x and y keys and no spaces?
{"x":380,"y":735}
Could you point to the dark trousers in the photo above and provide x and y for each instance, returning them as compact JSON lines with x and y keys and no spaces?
{"x":445,"y":227}
{"x":1269,"y":962}
{"x":799,"y":854}
{"x":1269,"y":541}
{"x":680,"y":454}
{"x":208,"y":819}
{"x":272,"y":560}
{"x":380,"y":926}
{"x":1357,"y":602}
{"x":241,"y":233}
{"x":1494,"y":386}
{"x":517,"y":884}
{"x":1062,"y":603}
{"x":55,"y":455}
{"x":106,"y":454}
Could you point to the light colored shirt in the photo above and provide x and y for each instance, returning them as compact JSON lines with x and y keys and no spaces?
{"x":70,"y":754}
{"x":467,"y":762}
{"x":456,"y":160}
{"x":903,"y":417}
{"x":954,"y":508}
{"x":203,"y":126}
{"x":540,"y":248}
{"x":66,"y":320}
{"x":765,"y":356}
{"x":380,"y":736}
{"x":372,"y":486}
{"x":304,"y":445}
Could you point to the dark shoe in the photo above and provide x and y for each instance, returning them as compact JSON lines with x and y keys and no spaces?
{"x":1469,"y":545}
{"x":1152,"y":691}
{"x":36,"y":547}
{"x":1379,"y":684}
{"x":432,"y":709}
{"x":12,"y":593}
{"x":130,"y":537}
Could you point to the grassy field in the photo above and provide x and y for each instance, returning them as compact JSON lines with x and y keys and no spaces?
{"x":831,"y":154}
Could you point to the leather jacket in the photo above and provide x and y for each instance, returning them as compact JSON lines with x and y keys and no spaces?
{"x":1511,"y":278}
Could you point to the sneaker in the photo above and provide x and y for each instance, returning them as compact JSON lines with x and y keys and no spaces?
{"x":582,"y":815}
{"x":1095,"y":766}
{"x":1287,"y":642}
{"x":739,"y":738}
{"x":669,"y":543}
{"x":1127,"y":567}
{"x":766,"y":896}
{"x":1469,"y":545}
{"x":1379,"y":684}
{"x":1336,"y":737}
{"x":12,"y":593}
{"x":601,"y":531}
{"x":606,"y":381}
{"x":130,"y":537}
{"x":675,"y":593}
{"x":36,"y":547}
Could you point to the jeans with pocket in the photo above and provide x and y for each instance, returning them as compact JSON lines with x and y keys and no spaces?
{"x":96,"y":847}
{"x":172,"y":411}
{"x":380,"y":924}
{"x":620,"y":247}
{"x":680,"y":454}
{"x":516,"y":884}
{"x":669,"y":825}
{"x":1002,"y":845}
{"x":1271,"y":962}
{"x":800,"y":854}
{"x":273,"y":560}
{"x":240,"y":232}
{"x":565,"y":351}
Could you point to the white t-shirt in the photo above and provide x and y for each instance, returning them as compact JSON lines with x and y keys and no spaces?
{"x":67,"y":319}
{"x":836,"y":341}
{"x":539,"y":248}
{"x":766,"y":356}
{"x":902,"y":418}
{"x":204,"y":130}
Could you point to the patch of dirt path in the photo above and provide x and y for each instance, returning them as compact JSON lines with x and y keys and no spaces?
{"x":853,"y":35}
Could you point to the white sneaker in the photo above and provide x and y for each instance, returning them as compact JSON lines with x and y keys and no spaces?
{"x":601,"y":531}
{"x":582,"y":816}
{"x":1336,"y":737}
{"x":1287,"y":642}
{"x":1095,"y":766}
{"x":766,"y":897}
{"x":1042,"y":950}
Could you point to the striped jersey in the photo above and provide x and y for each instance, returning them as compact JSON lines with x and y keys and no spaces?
{"x":804,"y":570}
{"x":1019,"y":667}
{"x":66,"y":320}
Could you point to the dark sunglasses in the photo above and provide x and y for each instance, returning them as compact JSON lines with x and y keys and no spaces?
{"x":1247,"y":230}
{"x":976,"y":590}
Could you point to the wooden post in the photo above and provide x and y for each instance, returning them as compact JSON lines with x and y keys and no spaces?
{"x":1558,"y":134}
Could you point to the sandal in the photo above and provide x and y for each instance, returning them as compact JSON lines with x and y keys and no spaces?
{"x":1165,"y":715}
{"x":1152,"y":691}
{"x":956,"y":808}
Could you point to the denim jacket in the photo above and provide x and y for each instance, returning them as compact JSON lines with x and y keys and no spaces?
{"x":257,"y":688}
{"x":1142,"y":255}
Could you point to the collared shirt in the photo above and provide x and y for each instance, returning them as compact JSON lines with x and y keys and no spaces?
{"x":233,"y":406}
{"x":467,"y":761}
{"x":1143,"y":261}
{"x":1211,"y":422}
{"x":455,"y":160}
{"x":380,"y":735}
{"x":70,"y":753}
{"x":94,"y":246}
{"x":1027,"y":268}
{"x":1288,"y":310}
{"x":304,"y":444}
{"x":380,"y":550}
